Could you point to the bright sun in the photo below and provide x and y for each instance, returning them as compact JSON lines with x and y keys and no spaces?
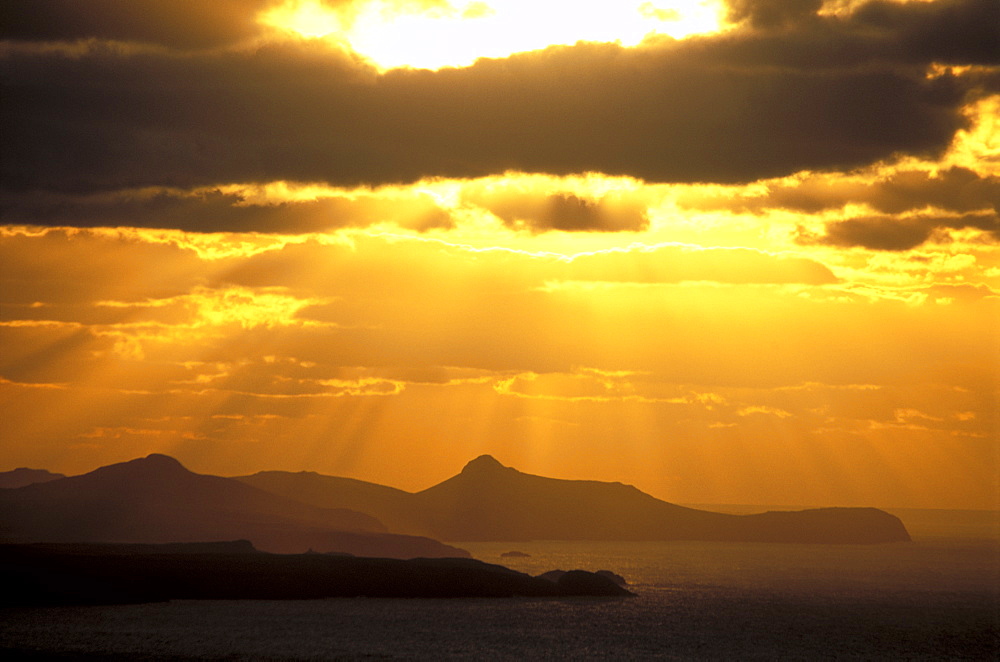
{"x":433,"y":35}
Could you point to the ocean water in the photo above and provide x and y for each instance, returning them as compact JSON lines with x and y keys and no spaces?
{"x":936,"y":598}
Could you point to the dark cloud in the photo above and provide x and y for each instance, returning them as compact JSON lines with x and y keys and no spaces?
{"x":564,"y":211}
{"x":103,"y":121}
{"x":950,"y":31}
{"x":957,"y":189}
{"x":787,"y":33}
{"x":953,"y":189}
{"x":177,"y":24}
{"x":173,"y":23}
{"x":772,"y":13}
{"x":213,"y":210}
{"x":899,"y":234}
{"x":823,"y":94}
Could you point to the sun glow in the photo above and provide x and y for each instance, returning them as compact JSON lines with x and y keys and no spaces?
{"x":433,"y":35}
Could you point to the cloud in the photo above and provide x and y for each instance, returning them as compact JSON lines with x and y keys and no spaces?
{"x":563,"y":211}
{"x":892,"y":233}
{"x":50,"y":268}
{"x":183,"y":24}
{"x":954,"y":189}
{"x":787,"y":33}
{"x":772,"y":13}
{"x":723,"y":316}
{"x":214,"y":209}
{"x":825,"y":94}
{"x":949,"y":31}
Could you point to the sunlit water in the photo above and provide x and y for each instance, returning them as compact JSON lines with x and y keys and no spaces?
{"x":935,"y":598}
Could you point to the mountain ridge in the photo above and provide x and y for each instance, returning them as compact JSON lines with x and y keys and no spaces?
{"x":155,"y":499}
{"x":487,"y":501}
{"x":23,"y":476}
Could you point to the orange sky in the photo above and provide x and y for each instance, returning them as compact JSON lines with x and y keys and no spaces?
{"x":726,"y":264}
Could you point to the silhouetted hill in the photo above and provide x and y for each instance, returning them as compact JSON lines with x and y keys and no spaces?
{"x":24,"y":476}
{"x":395,"y":507}
{"x":490,"y":502}
{"x":107,"y":574}
{"x":156,"y":500}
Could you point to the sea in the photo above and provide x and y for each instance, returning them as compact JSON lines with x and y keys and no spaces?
{"x":936,"y":598}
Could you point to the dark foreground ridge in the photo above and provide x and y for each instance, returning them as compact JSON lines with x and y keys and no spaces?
{"x":60,"y":574}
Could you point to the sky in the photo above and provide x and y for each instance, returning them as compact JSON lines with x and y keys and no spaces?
{"x":730,"y":252}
